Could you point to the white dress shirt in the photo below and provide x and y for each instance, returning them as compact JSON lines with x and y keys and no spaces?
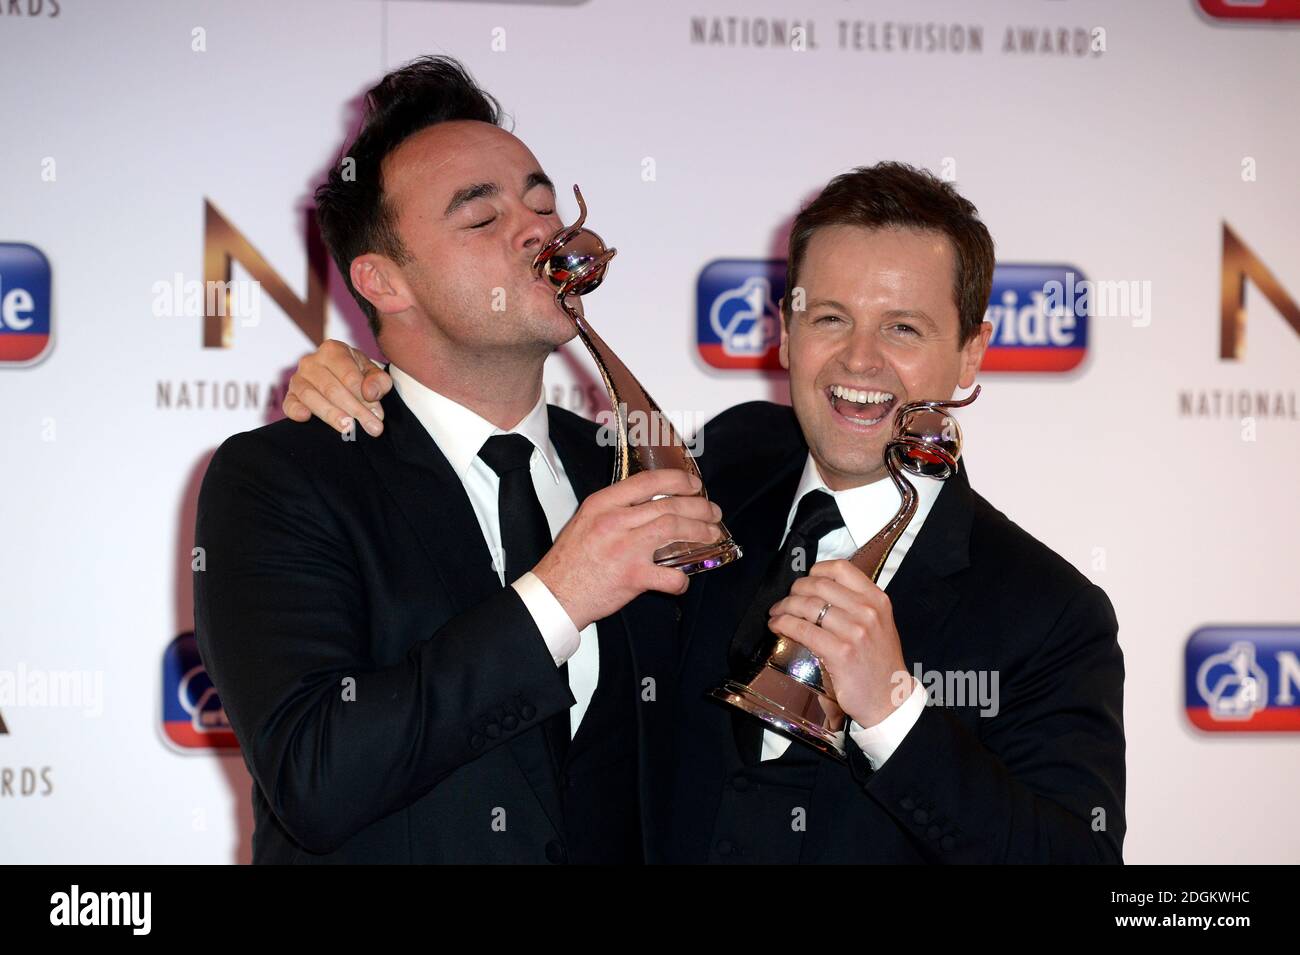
{"x":866,"y":510}
{"x":460,"y":433}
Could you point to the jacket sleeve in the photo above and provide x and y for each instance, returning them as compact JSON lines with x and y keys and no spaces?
{"x":282,"y":623}
{"x":1043,"y":782}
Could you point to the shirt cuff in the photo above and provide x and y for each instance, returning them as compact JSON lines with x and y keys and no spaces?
{"x":879,"y":742}
{"x":561,"y":636}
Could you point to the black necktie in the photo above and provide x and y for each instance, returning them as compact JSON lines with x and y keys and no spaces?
{"x":525,"y":537}
{"x":816,"y":516}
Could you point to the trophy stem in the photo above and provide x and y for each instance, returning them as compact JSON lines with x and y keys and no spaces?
{"x":620,"y":385}
{"x":665,"y":448}
{"x":574,"y":261}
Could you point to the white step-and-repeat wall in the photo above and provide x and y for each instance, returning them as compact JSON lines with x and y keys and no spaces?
{"x":1146,"y":156}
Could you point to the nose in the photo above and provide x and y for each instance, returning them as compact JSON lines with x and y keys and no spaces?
{"x":533,"y":230}
{"x":862,"y":354}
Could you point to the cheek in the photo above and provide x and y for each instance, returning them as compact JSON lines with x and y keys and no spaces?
{"x":807,"y":357}
{"x":925,"y":373}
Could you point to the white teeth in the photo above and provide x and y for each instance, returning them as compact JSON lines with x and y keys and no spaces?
{"x":860,"y":397}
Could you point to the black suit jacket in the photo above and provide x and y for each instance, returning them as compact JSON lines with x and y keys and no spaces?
{"x":1034,"y":783}
{"x":388,"y":694}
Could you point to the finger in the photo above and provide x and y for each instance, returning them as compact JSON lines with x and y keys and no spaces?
{"x":668,"y":580}
{"x":802,"y":632}
{"x":809,"y":608}
{"x":369,"y":382}
{"x":344,"y":401}
{"x":846,"y":573}
{"x":829,"y":591}
{"x":670,"y":528}
{"x":692,"y":507}
{"x":294,"y":409}
{"x":853,"y":623}
{"x":325,"y":410}
{"x":377,"y":383}
{"x":642,"y":487}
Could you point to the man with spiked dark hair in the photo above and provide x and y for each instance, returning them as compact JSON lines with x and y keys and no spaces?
{"x":452,"y":644}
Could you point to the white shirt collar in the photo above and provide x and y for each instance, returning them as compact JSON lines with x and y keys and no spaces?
{"x":460,"y":432}
{"x":868,"y":508}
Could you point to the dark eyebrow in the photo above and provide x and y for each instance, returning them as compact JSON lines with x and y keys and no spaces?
{"x":538,"y":178}
{"x":480,"y":190}
{"x":486,"y":190}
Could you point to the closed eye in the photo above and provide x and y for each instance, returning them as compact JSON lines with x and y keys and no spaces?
{"x":485,"y":222}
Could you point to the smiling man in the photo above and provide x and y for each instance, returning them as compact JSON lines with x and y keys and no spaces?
{"x":889,"y":275}
{"x":894,"y":270}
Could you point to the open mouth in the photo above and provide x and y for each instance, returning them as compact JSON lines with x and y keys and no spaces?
{"x":860,"y":408}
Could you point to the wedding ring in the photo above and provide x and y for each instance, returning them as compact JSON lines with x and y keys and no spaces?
{"x":818,"y":621}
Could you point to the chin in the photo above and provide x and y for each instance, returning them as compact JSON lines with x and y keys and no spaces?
{"x":552,"y":328}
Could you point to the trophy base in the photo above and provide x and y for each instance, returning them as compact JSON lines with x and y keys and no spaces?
{"x":789,"y":718}
{"x":701,"y":558}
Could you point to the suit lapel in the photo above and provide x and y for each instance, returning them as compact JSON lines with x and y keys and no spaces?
{"x":757,"y":523}
{"x":921,"y":592}
{"x":649,"y":620}
{"x":721,"y":598}
{"x":648,"y":623}
{"x":419,"y":478}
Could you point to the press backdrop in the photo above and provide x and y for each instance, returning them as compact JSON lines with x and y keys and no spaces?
{"x":1151,"y":149}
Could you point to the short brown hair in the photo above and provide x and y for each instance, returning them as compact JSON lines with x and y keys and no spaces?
{"x":894,"y":195}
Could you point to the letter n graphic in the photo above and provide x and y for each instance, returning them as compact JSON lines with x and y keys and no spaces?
{"x":223,"y":244}
{"x":1239,"y":263}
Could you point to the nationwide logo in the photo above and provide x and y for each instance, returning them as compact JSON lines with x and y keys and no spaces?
{"x":1039,"y":315}
{"x":24,"y":304}
{"x":738,"y":324}
{"x":192,"y":714}
{"x":1252,"y":9}
{"x":1243,"y":679}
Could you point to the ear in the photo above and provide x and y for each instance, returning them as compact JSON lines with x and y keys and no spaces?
{"x":972,"y":353}
{"x":381,"y":283}
{"x":784,"y":353}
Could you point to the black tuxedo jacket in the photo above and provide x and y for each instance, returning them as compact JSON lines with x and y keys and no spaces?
{"x":388,"y":694}
{"x":1040,"y":781}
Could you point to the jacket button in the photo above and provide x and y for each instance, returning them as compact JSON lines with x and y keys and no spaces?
{"x":510,"y":721}
{"x":741,"y":784}
{"x":677,"y":613}
{"x":555,"y":853}
{"x":528,"y":711}
{"x":947,"y":843}
{"x":921,"y":817}
{"x":907,"y":804}
{"x":493,"y":730}
{"x":934,"y":832}
{"x":476,"y":741}
{"x":725,"y":848}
